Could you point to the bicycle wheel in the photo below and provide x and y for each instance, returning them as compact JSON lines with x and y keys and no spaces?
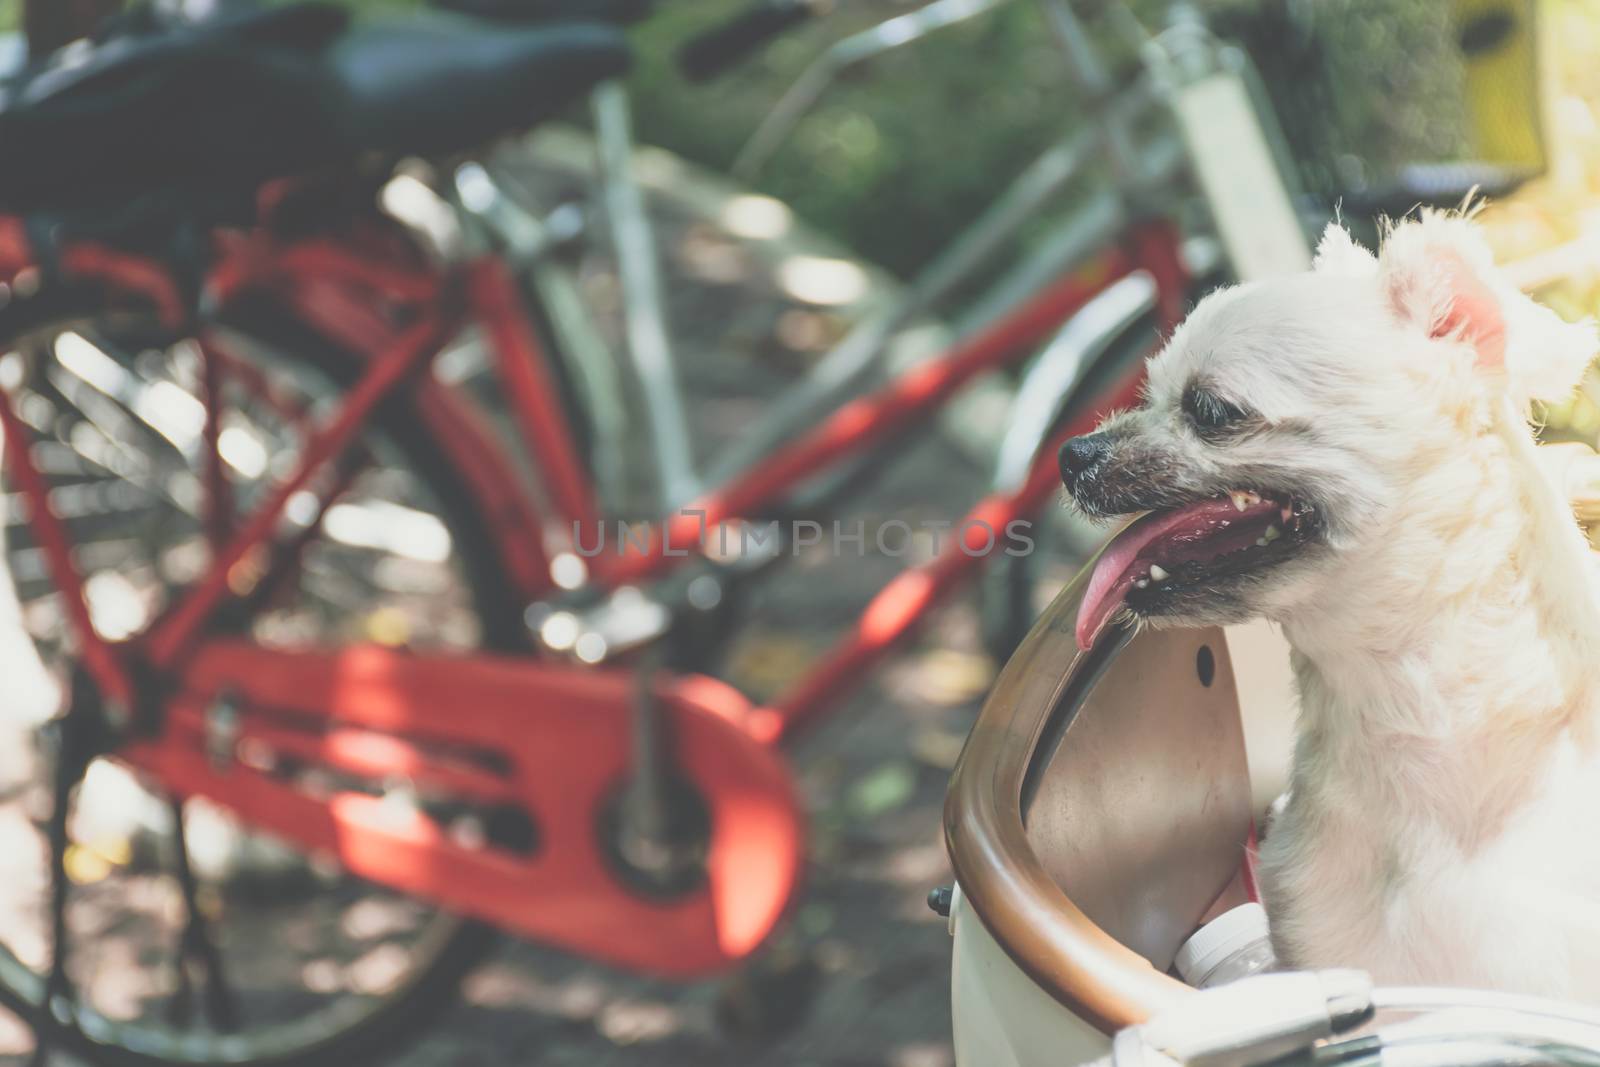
{"x":325,"y":966}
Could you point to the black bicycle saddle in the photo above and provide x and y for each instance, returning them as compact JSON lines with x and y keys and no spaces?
{"x":242,"y":98}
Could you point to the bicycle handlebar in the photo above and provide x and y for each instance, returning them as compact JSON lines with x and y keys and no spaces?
{"x":724,"y":45}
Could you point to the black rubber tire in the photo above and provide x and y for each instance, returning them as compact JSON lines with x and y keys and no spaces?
{"x":434,"y":990}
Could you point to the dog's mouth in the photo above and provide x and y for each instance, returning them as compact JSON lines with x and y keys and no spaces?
{"x":1165,"y":554}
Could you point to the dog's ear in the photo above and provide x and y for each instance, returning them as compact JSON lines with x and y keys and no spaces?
{"x":1439,"y":275}
{"x":1338,"y":254}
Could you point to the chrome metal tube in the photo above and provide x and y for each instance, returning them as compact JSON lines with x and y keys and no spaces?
{"x":643,"y":306}
{"x":860,"y":352}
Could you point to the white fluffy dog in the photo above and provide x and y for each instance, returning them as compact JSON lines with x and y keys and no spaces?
{"x":1347,"y":452}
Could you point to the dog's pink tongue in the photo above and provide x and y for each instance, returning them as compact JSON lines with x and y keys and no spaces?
{"x":1113,"y":574}
{"x":1195,"y":531}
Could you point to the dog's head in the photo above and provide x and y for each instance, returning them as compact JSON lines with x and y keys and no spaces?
{"x":1291,"y":422}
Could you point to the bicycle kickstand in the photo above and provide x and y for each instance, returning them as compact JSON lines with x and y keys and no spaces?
{"x":75,"y":735}
{"x":197,"y":947}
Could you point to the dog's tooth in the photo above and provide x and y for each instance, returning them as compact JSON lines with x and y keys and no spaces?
{"x":1157,"y":574}
{"x":1142,"y":583}
{"x":1240,"y":500}
{"x":1272,"y":534}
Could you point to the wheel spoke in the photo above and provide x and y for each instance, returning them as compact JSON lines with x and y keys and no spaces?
{"x":104,"y":418}
{"x":137,"y":441}
{"x":287,"y":555}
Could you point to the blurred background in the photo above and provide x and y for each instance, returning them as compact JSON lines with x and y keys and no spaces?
{"x":903,"y":151}
{"x":767,"y":267}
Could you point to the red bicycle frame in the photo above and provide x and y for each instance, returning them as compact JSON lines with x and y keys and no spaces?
{"x":551,"y":739}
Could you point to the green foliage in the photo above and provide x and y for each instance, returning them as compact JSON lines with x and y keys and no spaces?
{"x":899,"y":153}
{"x":905,"y":150}
{"x":1360,"y":87}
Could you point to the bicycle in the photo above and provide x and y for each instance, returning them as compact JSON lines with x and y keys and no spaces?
{"x":1215,"y":86}
{"x":640,"y":815}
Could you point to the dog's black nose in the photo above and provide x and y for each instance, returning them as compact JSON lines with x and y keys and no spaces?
{"x":1081,"y":453}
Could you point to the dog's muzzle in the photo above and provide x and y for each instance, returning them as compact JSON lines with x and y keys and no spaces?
{"x":1080,"y":455}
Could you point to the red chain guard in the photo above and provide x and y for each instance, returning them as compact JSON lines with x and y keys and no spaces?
{"x":552,"y":740}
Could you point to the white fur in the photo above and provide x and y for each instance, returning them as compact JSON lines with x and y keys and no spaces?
{"x":1443,"y":824}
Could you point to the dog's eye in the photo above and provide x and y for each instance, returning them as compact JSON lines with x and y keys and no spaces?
{"x":1209,"y":412}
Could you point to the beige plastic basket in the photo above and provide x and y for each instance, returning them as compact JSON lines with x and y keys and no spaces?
{"x":1100,"y":807}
